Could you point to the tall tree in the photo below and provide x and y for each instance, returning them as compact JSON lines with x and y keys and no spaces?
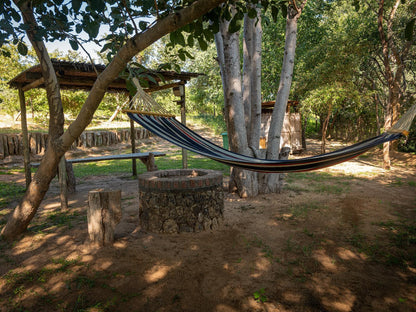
{"x":242,"y":90}
{"x":395,"y":52}
{"x":228,"y":49}
{"x":49,"y":21}
{"x":270,"y":182}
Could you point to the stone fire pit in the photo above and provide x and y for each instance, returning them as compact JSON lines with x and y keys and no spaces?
{"x":184,"y":200}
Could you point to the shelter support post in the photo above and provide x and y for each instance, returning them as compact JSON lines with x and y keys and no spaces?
{"x":25,"y":137}
{"x":133,"y":146}
{"x":63,"y":183}
{"x":180,"y":91}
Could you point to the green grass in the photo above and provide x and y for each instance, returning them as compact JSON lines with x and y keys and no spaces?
{"x":319,"y":182}
{"x":9,"y":191}
{"x":303,"y":209}
{"x":398,"y":250}
{"x":170,"y":161}
{"x":216,"y":123}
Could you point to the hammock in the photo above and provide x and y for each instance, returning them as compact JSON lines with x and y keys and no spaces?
{"x":168,"y":128}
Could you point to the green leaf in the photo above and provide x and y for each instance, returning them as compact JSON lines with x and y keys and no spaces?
{"x":408,"y":32}
{"x":76,"y":5}
{"x":131,"y":87}
{"x":275,"y":13}
{"x":15,"y":15}
{"x":78,"y":28}
{"x":92,"y":29}
{"x":176,"y":37}
{"x":22,"y":48}
{"x":97,"y":5}
{"x":283,"y":7}
{"x":202,"y":44}
{"x":198,"y":28}
{"x":6,"y":53}
{"x":190,"y":41}
{"x":143,"y":25}
{"x":235,"y":25}
{"x":252,"y":13}
{"x":74,"y":44}
{"x":356,"y":5}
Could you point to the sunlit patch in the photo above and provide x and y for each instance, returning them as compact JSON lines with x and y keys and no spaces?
{"x":346,"y":254}
{"x":105,"y":264}
{"x":120,"y":244}
{"x":345,"y":304}
{"x":272,"y":223}
{"x":57,"y":285}
{"x":251,"y":305}
{"x":53,"y":205}
{"x":194,"y":247}
{"x":333,"y":297}
{"x":262,"y":265}
{"x":63,"y":239}
{"x":224,"y":308}
{"x":291,"y":296}
{"x":148,"y":239}
{"x":31,"y":243}
{"x":326,"y":261}
{"x":158,"y":272}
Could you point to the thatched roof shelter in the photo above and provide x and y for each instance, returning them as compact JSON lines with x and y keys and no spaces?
{"x":81,"y":76}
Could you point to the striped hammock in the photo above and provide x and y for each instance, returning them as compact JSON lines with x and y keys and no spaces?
{"x":168,"y":128}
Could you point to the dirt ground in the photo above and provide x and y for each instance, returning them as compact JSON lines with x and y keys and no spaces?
{"x":339,"y":239}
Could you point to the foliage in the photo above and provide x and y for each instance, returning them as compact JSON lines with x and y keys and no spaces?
{"x":11,"y":64}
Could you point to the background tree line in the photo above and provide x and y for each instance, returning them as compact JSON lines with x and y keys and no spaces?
{"x":337,"y":76}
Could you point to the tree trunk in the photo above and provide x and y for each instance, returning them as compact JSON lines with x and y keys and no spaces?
{"x":394,"y":66}
{"x":270,"y":182}
{"x":245,"y":182}
{"x":60,"y":142}
{"x":103,"y":214}
{"x":324,"y":129}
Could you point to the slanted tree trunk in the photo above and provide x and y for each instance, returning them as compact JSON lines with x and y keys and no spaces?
{"x":270,"y":182}
{"x":61,"y":141}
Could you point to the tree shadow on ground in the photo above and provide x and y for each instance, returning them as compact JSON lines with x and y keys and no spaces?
{"x":329,"y":242}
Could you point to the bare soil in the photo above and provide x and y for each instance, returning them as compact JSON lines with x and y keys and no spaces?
{"x":339,"y":239}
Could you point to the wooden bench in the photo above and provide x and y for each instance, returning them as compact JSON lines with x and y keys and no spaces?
{"x":147,"y":158}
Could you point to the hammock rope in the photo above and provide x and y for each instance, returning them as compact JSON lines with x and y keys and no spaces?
{"x":167,"y":127}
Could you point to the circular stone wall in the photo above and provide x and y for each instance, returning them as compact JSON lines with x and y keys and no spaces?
{"x":184,"y":200}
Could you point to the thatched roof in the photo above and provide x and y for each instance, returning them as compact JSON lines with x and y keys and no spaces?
{"x":81,"y":76}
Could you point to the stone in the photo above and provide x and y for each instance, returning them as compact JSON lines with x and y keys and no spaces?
{"x":186,"y":200}
{"x":170,"y":226}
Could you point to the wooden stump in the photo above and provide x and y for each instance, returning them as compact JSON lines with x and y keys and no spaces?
{"x":150,"y":162}
{"x":104,"y":213}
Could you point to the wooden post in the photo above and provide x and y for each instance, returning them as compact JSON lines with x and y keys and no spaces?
{"x":104,"y":213}
{"x":133,"y":146}
{"x":25,"y":136}
{"x":63,"y":183}
{"x":70,"y":178}
{"x":150,"y":162}
{"x":183,"y":121}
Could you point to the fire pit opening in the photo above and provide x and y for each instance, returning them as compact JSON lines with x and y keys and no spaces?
{"x":183,"y":200}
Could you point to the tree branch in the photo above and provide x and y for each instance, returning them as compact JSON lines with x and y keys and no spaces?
{"x":133,"y":46}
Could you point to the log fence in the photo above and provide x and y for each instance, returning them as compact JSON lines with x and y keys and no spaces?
{"x":12,"y":144}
